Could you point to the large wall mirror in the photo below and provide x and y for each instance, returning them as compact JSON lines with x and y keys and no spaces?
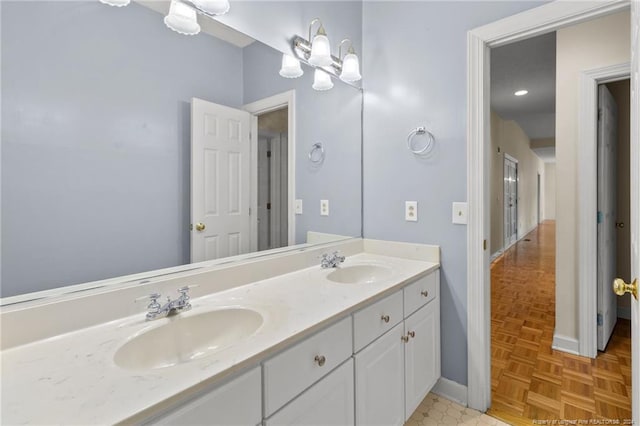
{"x":127,"y":147}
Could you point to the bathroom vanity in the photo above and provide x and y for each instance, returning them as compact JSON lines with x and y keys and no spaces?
{"x":274,"y":340}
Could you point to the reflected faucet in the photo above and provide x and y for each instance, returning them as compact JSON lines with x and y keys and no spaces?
{"x":171,"y":307}
{"x":331,"y":260}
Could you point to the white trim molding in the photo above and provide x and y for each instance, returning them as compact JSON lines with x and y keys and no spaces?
{"x":537,"y":21}
{"x":565,"y":344}
{"x":451,"y":390}
{"x":588,"y":202}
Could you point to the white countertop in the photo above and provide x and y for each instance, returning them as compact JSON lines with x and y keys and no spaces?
{"x":72,"y":379}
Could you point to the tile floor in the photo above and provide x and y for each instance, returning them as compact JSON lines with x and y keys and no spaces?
{"x":436,"y":410}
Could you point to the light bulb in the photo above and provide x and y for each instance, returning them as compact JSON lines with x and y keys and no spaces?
{"x":212,"y":7}
{"x":350,"y":68}
{"x":116,"y":3}
{"x":290,"y":67}
{"x":521,"y":92}
{"x":322,"y":80}
{"x":182,"y":19}
{"x":320,"y":50}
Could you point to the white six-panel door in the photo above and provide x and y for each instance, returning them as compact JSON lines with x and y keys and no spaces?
{"x":220,"y":181}
{"x":607,"y":142}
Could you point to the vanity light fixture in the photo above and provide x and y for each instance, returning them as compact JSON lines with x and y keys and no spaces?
{"x":182,"y":18}
{"x":320,"y":55}
{"x":350,"y":71}
{"x":212,"y":7}
{"x":290,"y":67}
{"x":521,"y":92}
{"x":116,"y":3}
{"x":322,"y":80}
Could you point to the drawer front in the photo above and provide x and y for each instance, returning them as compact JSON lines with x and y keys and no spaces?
{"x":289,"y":373}
{"x":421,"y":292}
{"x":328,"y":402}
{"x":375,"y":320}
{"x":238,"y":402}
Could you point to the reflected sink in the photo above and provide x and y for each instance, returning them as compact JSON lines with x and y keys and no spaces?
{"x":359,"y":274}
{"x":187,"y":338}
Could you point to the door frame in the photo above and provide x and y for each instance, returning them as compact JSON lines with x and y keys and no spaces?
{"x":531,"y":23}
{"x":281,"y":100}
{"x":507,"y":244}
{"x":588,"y":202}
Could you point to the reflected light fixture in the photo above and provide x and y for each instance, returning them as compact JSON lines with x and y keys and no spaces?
{"x":521,"y":92}
{"x":290,"y":67}
{"x":212,"y":7}
{"x":350,"y":71}
{"x":116,"y":3}
{"x":182,"y":18}
{"x":320,"y":55}
{"x":321,"y":80}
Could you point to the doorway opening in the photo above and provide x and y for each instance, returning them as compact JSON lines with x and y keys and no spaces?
{"x":510,"y":201}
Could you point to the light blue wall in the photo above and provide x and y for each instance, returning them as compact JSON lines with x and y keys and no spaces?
{"x":415,"y":68}
{"x":120,"y":120}
{"x":332,"y":117}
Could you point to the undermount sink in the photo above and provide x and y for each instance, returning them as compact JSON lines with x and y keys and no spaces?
{"x":187,"y":338}
{"x":359,"y":274}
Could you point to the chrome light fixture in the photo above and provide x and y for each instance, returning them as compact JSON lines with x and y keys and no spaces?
{"x":212,"y":7}
{"x":350,"y":71}
{"x":182,"y":18}
{"x":322,"y":80}
{"x":320,"y":55}
{"x":290,"y":67}
{"x":116,"y":3}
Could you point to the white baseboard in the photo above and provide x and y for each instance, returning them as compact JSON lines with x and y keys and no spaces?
{"x":451,"y":390}
{"x":624,"y":313}
{"x":566,"y":344}
{"x":496,"y":255}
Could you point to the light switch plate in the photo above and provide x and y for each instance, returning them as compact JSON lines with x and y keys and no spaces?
{"x":298,"y":208}
{"x":459,"y":213}
{"x":324,"y":207}
{"x":411,"y":211}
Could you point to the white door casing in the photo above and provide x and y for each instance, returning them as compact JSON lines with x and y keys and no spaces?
{"x":220,"y":181}
{"x":606,"y":217}
{"x":510,"y":191}
{"x":537,"y":21}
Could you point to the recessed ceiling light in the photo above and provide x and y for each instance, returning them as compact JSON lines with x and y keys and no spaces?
{"x":521,"y":92}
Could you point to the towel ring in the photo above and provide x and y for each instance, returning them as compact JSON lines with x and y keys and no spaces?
{"x":316,"y":154}
{"x":421,"y":131}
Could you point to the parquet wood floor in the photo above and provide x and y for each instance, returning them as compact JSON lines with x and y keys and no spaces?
{"x":529,"y":380}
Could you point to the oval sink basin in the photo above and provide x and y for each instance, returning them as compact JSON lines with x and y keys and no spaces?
{"x":359,"y":274}
{"x":185,"y":339}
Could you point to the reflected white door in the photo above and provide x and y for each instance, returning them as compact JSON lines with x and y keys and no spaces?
{"x":510,"y":201}
{"x":607,"y":142}
{"x":220,"y":181}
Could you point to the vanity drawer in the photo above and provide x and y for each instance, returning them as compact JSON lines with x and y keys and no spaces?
{"x":421,"y":292}
{"x":375,"y":320}
{"x":289,"y":373}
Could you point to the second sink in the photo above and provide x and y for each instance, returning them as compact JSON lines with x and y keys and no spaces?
{"x":186,"y":338}
{"x":359,"y":274}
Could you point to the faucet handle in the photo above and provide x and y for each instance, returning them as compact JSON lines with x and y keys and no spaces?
{"x":153,"y":297}
{"x":184,"y":291}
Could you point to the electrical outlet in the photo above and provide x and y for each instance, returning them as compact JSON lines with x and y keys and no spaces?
{"x":298,"y":208}
{"x":411,"y":211}
{"x":324,"y":207}
{"x":459,"y":213}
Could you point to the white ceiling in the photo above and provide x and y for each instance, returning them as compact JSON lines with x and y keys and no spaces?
{"x":529,"y":64}
{"x":207,"y":25}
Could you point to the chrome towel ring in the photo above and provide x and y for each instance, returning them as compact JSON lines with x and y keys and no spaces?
{"x":316,"y":154}
{"x":428,"y":146}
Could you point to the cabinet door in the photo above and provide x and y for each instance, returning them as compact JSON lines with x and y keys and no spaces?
{"x":422,"y":354}
{"x":238,"y":402}
{"x":380,"y":381}
{"x":328,"y":402}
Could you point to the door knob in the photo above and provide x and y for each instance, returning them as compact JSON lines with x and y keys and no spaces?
{"x":620,"y":287}
{"x":620,"y":225}
{"x":200,"y":226}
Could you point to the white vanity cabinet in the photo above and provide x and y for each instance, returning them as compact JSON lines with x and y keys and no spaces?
{"x":238,"y":402}
{"x":395,"y":372}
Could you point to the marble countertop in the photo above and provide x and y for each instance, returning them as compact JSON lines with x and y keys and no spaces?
{"x":72,"y":378}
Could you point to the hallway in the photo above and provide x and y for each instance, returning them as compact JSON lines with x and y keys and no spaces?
{"x":529,"y":380}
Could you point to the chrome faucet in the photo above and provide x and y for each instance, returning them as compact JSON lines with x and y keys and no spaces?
{"x":171,"y":307}
{"x":331,"y":260}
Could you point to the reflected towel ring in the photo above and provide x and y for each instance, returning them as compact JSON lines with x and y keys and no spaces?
{"x":428,"y":146}
{"x":316,"y":155}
